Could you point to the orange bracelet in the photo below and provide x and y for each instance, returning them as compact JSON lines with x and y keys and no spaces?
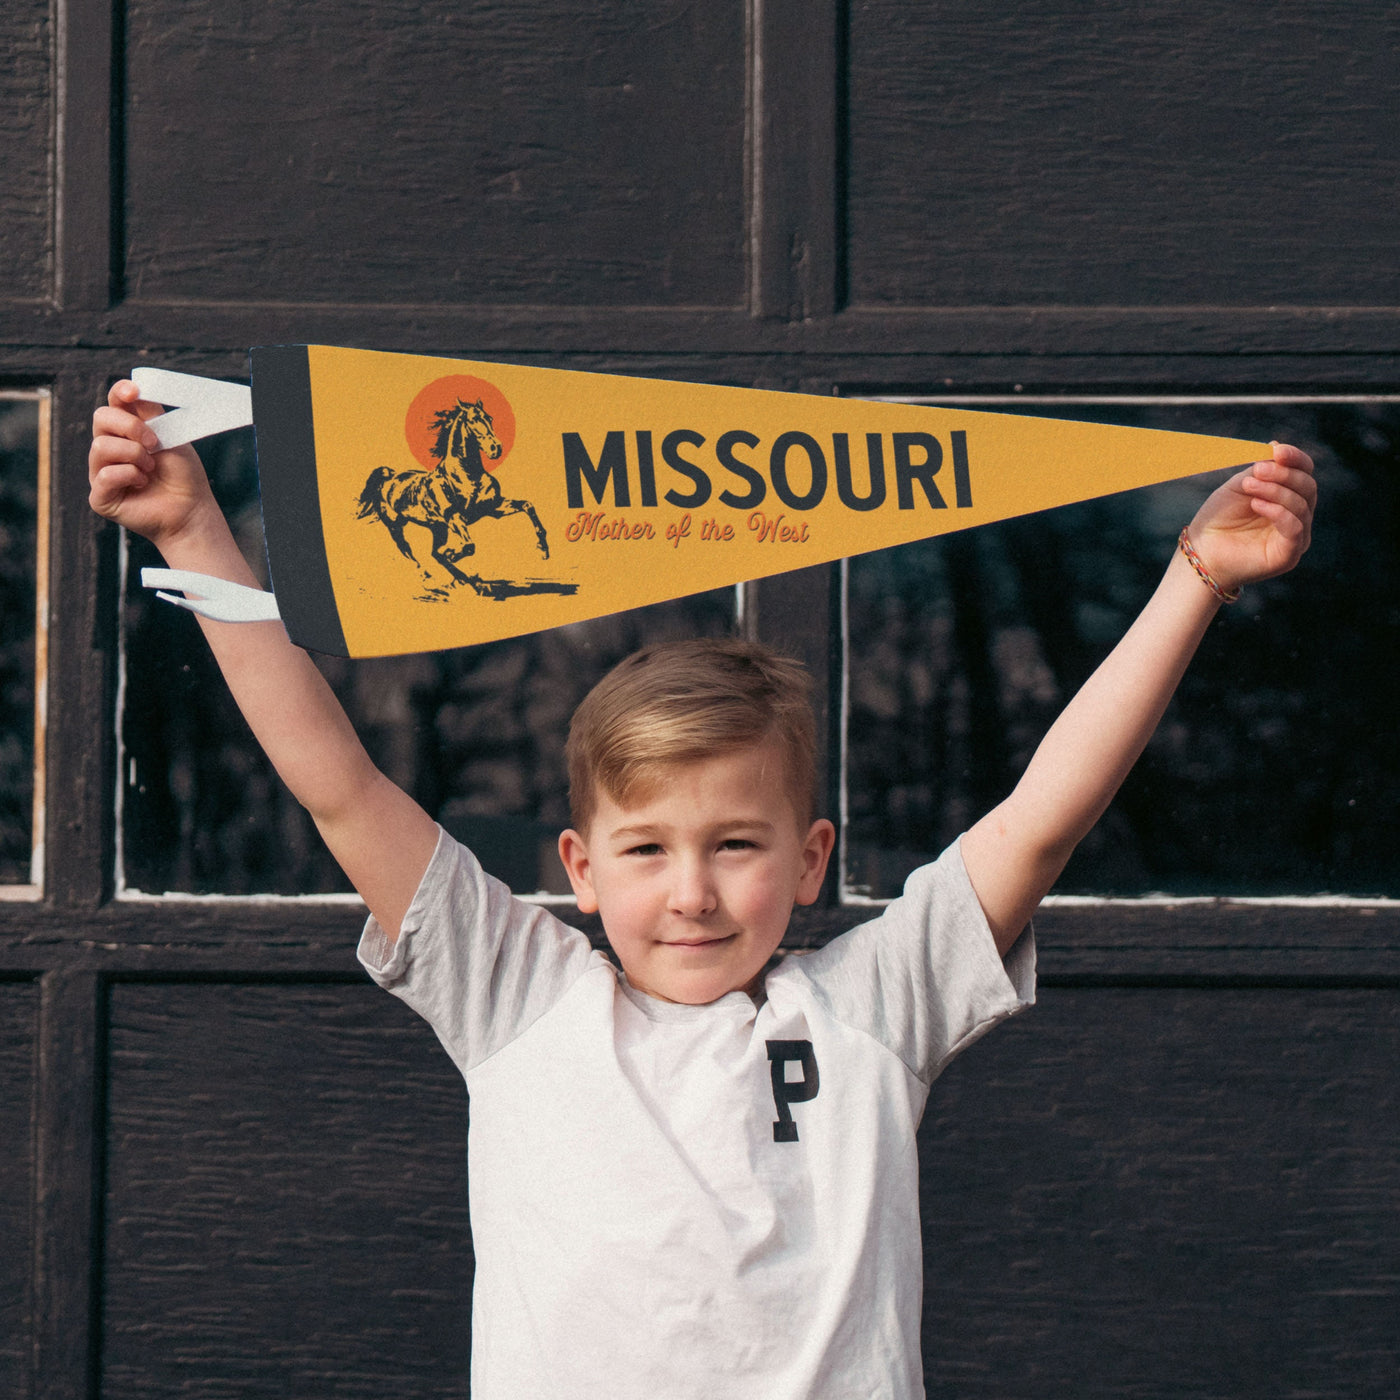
{"x":1226,"y":595}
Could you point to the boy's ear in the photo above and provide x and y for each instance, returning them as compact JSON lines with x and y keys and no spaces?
{"x":816,"y":852}
{"x":574,"y":854}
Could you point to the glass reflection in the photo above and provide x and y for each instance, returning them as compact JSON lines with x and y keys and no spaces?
{"x":20,"y":429}
{"x":1276,"y":770}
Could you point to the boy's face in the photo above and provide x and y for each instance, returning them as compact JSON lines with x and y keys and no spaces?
{"x":696,"y":880}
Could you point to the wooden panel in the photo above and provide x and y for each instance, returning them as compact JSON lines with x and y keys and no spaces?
{"x":286,"y":1197}
{"x":1316,"y":945}
{"x":26,"y":131}
{"x":82,"y":657}
{"x":18,"y":1027}
{"x":1105,"y":1182}
{"x":67,"y":1150}
{"x":1168,"y":1194}
{"x":83,"y":193}
{"x":553,"y":153}
{"x":1058,"y":153}
{"x":793,"y":68}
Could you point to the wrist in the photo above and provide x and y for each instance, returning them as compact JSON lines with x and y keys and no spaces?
{"x":1187,"y":594}
{"x":1223,"y":589}
{"x":204,"y":543}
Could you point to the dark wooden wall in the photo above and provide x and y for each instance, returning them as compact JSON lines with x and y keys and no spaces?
{"x":227,"y":1165}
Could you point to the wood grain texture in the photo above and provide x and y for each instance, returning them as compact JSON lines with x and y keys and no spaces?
{"x":80,"y":817}
{"x":794,"y":79}
{"x":26,"y":131}
{"x":884,"y":349}
{"x":19,"y":1008}
{"x":1101,"y":155}
{"x":1132,"y":1193}
{"x":1168,"y":1193}
{"x":1125,"y":941}
{"x":83,"y":155}
{"x":67,"y":1152}
{"x":351,"y":152}
{"x":286,"y":1197}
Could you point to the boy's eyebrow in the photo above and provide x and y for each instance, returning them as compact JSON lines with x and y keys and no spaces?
{"x":631,"y":832}
{"x":649,"y":829}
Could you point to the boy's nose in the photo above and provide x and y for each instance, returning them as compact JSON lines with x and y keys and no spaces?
{"x":693,"y":890}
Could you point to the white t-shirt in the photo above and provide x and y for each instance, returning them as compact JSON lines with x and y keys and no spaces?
{"x":713,"y":1201}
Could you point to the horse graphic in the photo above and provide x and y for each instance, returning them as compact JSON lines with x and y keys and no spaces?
{"x":449,"y":498}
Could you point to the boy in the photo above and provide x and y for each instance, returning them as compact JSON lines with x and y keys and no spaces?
{"x":695,"y":1176}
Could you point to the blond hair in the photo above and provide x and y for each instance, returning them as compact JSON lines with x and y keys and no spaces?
{"x":683,"y":701}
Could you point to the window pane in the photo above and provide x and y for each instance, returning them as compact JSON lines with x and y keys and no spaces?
{"x":21,"y":423}
{"x":1276,"y":770}
{"x":476,"y":735}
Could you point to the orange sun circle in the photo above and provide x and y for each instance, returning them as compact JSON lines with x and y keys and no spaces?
{"x":444,"y":393}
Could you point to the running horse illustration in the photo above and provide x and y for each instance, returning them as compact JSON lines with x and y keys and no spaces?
{"x":450,"y":498}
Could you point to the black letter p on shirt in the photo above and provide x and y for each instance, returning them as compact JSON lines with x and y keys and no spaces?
{"x":780,"y":1052}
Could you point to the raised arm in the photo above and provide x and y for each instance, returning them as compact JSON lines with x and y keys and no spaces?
{"x":379,"y":835}
{"x":1255,"y":526}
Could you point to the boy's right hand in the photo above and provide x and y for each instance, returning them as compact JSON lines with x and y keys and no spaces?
{"x":156,"y":493}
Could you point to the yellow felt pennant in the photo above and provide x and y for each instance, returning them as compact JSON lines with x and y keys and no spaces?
{"x":414,"y":504}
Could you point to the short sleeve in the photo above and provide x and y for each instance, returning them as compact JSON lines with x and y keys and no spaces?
{"x":478,"y":964}
{"x":924,"y":978}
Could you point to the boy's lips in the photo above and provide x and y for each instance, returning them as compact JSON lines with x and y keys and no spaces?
{"x":698,"y":942}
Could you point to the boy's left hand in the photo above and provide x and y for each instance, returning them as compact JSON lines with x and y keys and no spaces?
{"x":1259,"y":523}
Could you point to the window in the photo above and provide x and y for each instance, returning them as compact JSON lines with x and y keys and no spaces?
{"x":24,"y":453}
{"x":476,"y":735}
{"x":1275,"y":770}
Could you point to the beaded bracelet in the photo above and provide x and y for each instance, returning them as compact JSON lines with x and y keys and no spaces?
{"x":1226,"y":595}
